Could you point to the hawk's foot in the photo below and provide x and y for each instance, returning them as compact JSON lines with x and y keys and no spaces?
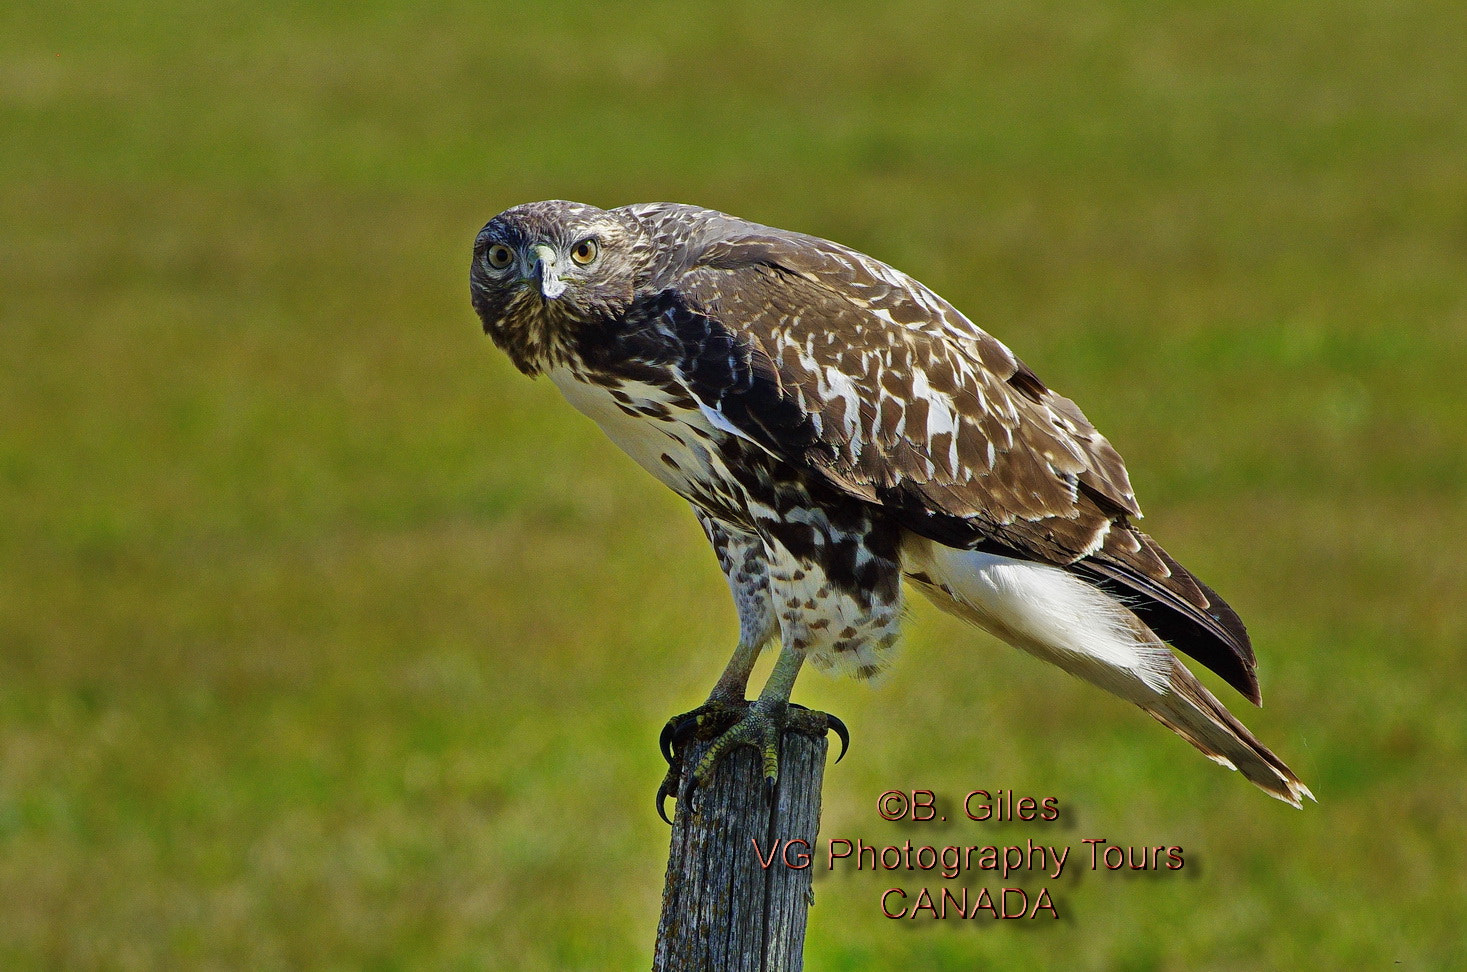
{"x":731,"y":724}
{"x":707,"y":721}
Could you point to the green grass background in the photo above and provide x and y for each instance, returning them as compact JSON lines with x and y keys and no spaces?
{"x":328,"y":641}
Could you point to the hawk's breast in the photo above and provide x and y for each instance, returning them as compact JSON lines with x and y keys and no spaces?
{"x":661,"y":427}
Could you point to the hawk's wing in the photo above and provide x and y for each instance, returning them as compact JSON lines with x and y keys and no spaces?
{"x":831,"y":359}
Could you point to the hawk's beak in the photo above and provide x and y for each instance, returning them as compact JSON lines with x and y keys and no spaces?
{"x":543,"y":268}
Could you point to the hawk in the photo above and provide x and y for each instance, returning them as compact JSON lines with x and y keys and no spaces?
{"x":838,"y":428}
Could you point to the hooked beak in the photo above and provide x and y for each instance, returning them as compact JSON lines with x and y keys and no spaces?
{"x":543,"y":268}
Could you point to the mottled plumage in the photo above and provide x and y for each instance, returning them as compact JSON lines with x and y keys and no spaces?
{"x":838,"y":427}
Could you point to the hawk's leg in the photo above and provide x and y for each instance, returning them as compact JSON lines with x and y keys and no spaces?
{"x":724,"y":706}
{"x":734,"y":722}
{"x":834,"y":571}
{"x":766,"y":719}
{"x":741,"y":557}
{"x":817,"y":617}
{"x":734,"y":681}
{"x":727,"y":716}
{"x":745,"y":566}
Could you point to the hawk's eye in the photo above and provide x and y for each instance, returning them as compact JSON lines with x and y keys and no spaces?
{"x":585,"y":252}
{"x":499,"y":256}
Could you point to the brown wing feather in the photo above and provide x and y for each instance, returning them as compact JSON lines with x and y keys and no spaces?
{"x":891,"y":393}
{"x":909,"y":395}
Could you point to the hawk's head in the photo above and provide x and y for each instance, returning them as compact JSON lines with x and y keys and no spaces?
{"x":544,"y":269}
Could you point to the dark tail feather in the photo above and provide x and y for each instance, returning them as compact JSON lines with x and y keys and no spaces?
{"x":1172,"y":602}
{"x":1197,"y":716}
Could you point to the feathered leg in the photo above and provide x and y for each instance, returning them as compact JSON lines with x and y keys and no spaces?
{"x":741,"y":557}
{"x":727,"y":717}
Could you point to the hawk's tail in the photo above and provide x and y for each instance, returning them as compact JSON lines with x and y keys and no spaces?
{"x":1197,"y":716}
{"x":1062,"y":619}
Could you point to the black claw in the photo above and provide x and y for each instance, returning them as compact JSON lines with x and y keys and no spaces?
{"x":663,"y":792}
{"x":673,"y":732}
{"x":842,"y":733}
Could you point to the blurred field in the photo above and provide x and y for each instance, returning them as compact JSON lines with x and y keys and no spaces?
{"x":328,"y":641}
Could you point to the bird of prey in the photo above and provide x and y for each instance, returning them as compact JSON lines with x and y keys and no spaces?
{"x":838,"y":428}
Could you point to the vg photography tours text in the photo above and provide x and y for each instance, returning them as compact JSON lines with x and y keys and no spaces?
{"x":986,"y":879}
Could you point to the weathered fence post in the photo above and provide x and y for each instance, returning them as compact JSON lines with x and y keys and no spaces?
{"x":722,"y":911}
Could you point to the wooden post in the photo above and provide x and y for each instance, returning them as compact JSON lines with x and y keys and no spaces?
{"x":722,"y":911}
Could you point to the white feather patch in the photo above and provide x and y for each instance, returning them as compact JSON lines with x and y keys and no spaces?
{"x":1046,"y":605}
{"x":644,"y":440}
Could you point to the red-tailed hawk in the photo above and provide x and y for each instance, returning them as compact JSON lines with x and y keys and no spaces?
{"x":837,"y":428}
